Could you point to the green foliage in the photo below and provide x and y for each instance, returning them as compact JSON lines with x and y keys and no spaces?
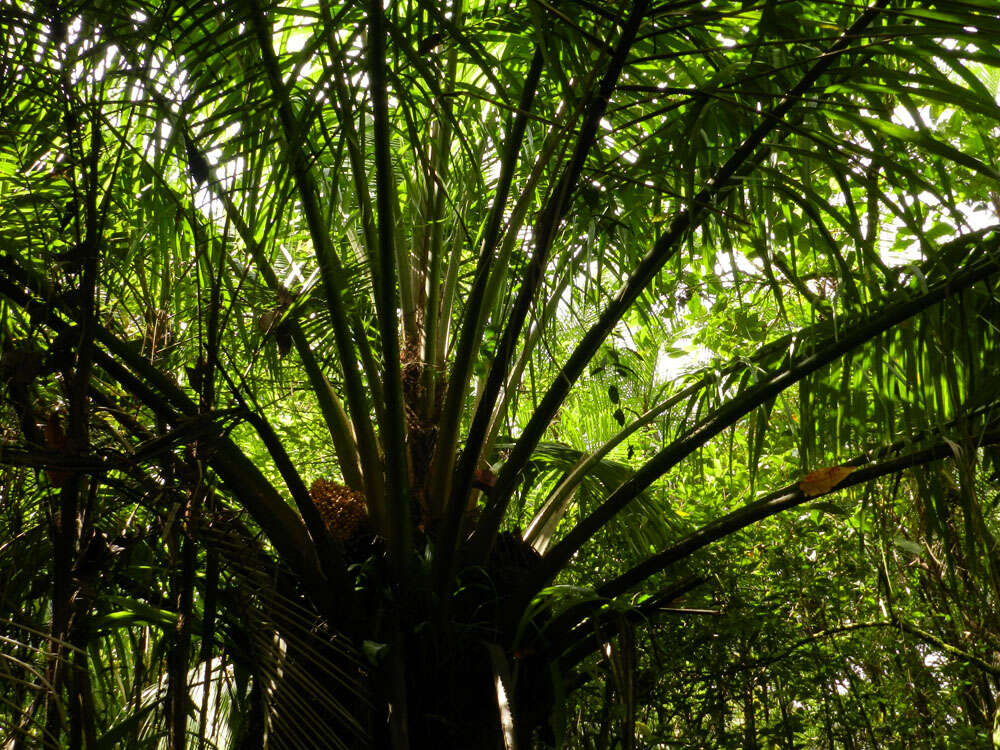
{"x":567,"y":297}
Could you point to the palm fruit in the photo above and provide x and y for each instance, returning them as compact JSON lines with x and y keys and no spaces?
{"x":342,"y":509}
{"x":421,"y":427}
{"x":411,"y":371}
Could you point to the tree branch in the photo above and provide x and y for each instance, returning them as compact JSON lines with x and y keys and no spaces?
{"x":331,"y":270}
{"x":545,"y":232}
{"x":776,"y":502}
{"x":399,"y":526}
{"x":662,"y":251}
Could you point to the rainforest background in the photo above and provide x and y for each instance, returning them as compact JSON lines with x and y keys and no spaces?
{"x":499,"y":374}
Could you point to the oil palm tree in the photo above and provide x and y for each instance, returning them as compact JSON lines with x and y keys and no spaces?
{"x":354,"y":356}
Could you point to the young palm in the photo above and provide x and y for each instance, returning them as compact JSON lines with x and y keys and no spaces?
{"x":334,"y":336}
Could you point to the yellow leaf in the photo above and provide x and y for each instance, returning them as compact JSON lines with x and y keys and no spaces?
{"x":821,"y":481}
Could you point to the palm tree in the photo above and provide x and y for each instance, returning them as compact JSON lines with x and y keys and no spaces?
{"x":337,"y":340}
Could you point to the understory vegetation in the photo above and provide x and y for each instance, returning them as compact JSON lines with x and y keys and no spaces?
{"x":488,"y":374}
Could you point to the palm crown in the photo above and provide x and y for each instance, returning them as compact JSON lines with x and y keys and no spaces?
{"x":368,"y":349}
